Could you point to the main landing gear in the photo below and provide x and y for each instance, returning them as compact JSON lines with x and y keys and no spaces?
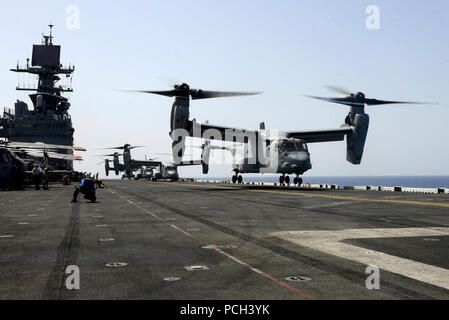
{"x":237,"y":178}
{"x":284,"y":179}
{"x":297,"y":181}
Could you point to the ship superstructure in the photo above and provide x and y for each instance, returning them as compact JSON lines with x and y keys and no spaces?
{"x":48,"y":120}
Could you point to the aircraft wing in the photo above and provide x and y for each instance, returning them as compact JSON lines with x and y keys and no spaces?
{"x":226,"y":133}
{"x":326,"y":135}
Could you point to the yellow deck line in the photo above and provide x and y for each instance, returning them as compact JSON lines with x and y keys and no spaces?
{"x":328,"y":196}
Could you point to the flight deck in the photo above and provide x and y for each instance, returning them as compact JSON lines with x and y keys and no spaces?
{"x":201,"y":241}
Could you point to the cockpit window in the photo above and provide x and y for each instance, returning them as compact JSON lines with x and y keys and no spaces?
{"x":293,"y":146}
{"x":287,"y":146}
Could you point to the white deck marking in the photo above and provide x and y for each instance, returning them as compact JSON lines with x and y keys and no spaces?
{"x":204,"y":243}
{"x":330,"y":242}
{"x":329,"y":205}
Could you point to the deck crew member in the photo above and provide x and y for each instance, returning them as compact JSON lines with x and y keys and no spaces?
{"x":87,"y":187}
{"x":37,"y":173}
{"x":46,"y":178}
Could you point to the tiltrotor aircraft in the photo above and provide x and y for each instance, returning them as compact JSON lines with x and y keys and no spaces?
{"x":129,"y":165}
{"x":162,"y":170}
{"x":269,"y":151}
{"x":168,"y":170}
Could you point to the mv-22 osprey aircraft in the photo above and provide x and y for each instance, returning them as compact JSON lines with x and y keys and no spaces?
{"x":163,"y":170}
{"x":129,"y":165}
{"x":269,"y":151}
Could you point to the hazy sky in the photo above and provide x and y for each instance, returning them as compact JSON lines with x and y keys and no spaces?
{"x":284,"y":48}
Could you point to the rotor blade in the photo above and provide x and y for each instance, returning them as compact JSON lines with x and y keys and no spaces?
{"x":342,"y":92}
{"x":41,"y":145}
{"x":51,"y":155}
{"x":63,"y":157}
{"x":123,"y":148}
{"x":204,"y":94}
{"x":30,"y":151}
{"x":351,"y":101}
{"x":346,"y":101}
{"x":166,"y":93}
{"x":375,"y":102}
{"x":110,"y":155}
{"x":37,"y":151}
{"x":114,"y":148}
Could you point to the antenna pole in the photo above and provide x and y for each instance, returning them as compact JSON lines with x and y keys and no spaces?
{"x":51,"y":33}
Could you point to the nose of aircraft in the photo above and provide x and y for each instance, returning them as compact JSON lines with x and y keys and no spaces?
{"x":300,"y":160}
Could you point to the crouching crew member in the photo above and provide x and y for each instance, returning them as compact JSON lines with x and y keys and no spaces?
{"x":66,"y":180}
{"x":87,"y":187}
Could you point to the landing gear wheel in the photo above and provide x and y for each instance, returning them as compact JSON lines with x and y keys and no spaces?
{"x":297,"y":181}
{"x":240,"y":179}
{"x":281,"y":180}
{"x":287,"y":180}
{"x":234,"y":179}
